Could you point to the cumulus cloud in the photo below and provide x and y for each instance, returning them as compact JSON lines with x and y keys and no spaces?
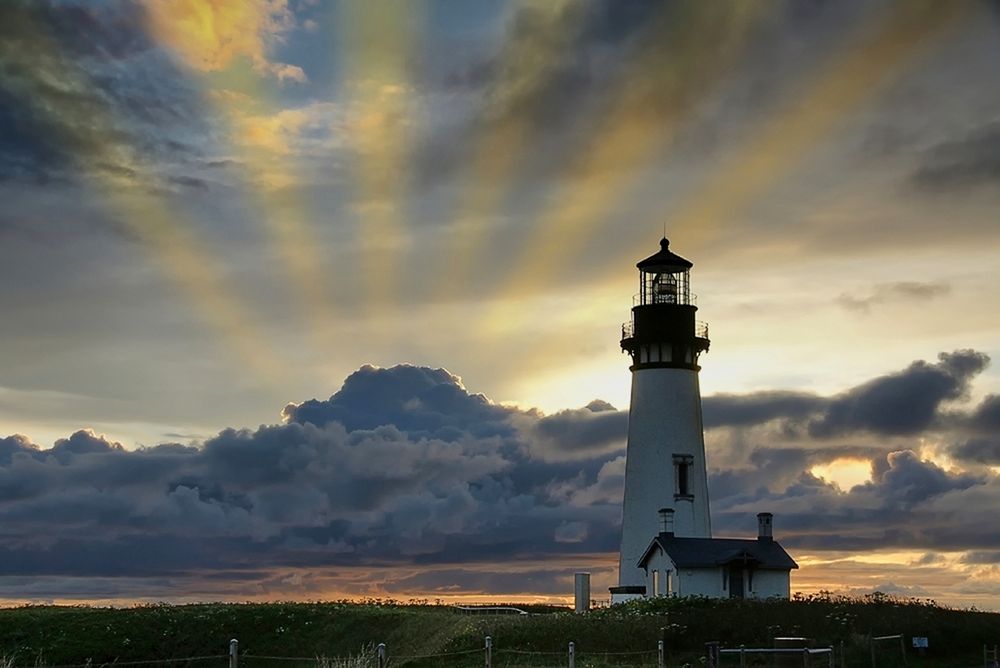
{"x":402,"y":463}
{"x":406,"y":466}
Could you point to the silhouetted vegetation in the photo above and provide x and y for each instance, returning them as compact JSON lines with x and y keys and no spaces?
{"x":59,"y":636}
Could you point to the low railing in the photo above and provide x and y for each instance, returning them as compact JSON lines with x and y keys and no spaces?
{"x":700,"y":329}
{"x":689,"y":299}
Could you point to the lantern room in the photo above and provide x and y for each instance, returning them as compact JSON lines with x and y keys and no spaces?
{"x":664,"y":278}
{"x":663,"y":332}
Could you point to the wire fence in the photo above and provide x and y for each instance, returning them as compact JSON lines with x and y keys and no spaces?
{"x":144,"y":662}
{"x":489,"y":655}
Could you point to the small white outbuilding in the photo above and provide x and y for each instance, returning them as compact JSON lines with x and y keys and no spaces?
{"x":716,"y":567}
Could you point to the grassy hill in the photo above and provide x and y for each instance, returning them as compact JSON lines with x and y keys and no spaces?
{"x":280,"y":635}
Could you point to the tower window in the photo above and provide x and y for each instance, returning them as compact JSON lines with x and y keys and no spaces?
{"x":682,"y":475}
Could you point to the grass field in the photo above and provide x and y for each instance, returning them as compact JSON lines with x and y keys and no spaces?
{"x":279,"y":635}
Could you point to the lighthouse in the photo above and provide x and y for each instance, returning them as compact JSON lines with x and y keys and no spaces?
{"x":665,"y":457}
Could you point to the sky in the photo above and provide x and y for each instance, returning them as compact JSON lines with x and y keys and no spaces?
{"x":305,"y":299}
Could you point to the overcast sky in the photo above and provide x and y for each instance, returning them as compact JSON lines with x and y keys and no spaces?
{"x":401,"y":238}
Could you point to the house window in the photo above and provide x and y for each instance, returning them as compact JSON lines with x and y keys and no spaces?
{"x":656,"y":583}
{"x":670,"y":582}
{"x":682,"y":475}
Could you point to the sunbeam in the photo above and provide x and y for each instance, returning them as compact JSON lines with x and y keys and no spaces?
{"x":703,"y":41}
{"x":134,"y":194}
{"x":376,"y":40}
{"x":679,"y":72}
{"x":260,"y":132}
{"x":500,"y":144}
{"x":869,"y":61}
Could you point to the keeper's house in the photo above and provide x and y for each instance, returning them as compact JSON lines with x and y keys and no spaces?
{"x":716,"y":567}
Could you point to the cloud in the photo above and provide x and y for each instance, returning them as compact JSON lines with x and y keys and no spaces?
{"x":596,"y":429}
{"x":966,"y":162}
{"x":211,"y":35}
{"x":883,"y":293}
{"x":750,"y":409}
{"x":981,"y":450}
{"x":902,"y":403}
{"x":94,"y":96}
{"x":404,"y":466}
{"x":401,"y":464}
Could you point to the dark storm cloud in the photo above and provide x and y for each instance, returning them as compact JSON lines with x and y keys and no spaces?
{"x":910,"y":504}
{"x":903,"y":403}
{"x":423,"y":401}
{"x":970,"y":161}
{"x":987,"y":415}
{"x":598,"y":428}
{"x":897,"y":404}
{"x":404,"y":465}
{"x":984,"y":450}
{"x":735,"y":410}
{"x":84,"y":90}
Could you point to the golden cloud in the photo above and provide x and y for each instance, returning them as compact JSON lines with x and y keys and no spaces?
{"x":209,"y":34}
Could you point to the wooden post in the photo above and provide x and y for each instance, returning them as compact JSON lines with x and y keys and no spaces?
{"x":743,"y":656}
{"x":572,"y":654}
{"x":489,"y":652}
{"x":659,"y":655}
{"x":234,"y":653}
{"x":843,"y":656}
{"x":381,"y":655}
{"x":805,"y":657}
{"x":871,"y":644}
{"x":902,"y":647}
{"x":831,"y":655}
{"x":712,"y":649}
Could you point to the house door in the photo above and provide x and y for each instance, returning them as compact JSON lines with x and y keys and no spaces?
{"x":736,"y":580}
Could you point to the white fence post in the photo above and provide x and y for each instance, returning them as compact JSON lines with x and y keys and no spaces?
{"x":572,"y":654}
{"x":381,"y":655}
{"x":659,"y":654}
{"x":489,"y":652}
{"x":234,"y":653}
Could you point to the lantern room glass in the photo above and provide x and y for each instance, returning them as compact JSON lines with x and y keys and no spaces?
{"x":665,"y":287}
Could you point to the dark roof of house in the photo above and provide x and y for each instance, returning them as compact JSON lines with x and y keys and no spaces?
{"x":709,"y":552}
{"x":664,"y":260}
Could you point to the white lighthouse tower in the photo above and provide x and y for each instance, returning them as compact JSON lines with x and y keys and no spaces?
{"x":665,"y":460}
